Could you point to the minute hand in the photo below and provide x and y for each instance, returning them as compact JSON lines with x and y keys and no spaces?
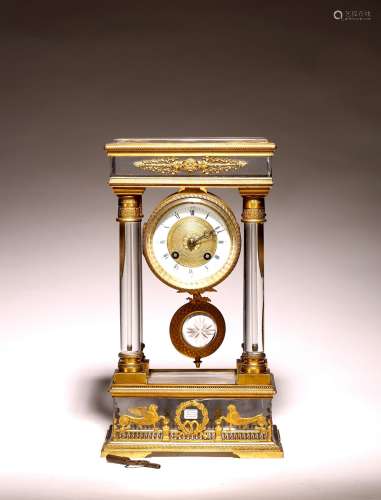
{"x":192,"y":243}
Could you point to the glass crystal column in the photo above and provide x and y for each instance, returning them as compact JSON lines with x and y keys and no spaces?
{"x":253,"y":217}
{"x":253,"y":288}
{"x":130,"y":246}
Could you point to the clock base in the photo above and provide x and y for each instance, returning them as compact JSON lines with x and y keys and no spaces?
{"x":265,"y":449}
{"x":198,"y":412}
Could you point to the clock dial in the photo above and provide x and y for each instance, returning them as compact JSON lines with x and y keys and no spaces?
{"x":192,"y":241}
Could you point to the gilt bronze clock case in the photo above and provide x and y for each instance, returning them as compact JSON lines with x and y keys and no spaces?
{"x":191,"y":242}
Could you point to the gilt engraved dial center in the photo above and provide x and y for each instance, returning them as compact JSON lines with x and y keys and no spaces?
{"x":192,"y":237}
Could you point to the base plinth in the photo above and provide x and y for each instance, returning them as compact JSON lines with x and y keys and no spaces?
{"x":271,"y":449}
{"x":193,"y":412}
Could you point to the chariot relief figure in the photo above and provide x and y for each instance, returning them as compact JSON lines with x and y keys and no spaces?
{"x":233,"y":418}
{"x":143,"y":416}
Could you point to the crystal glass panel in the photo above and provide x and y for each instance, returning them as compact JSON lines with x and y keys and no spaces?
{"x":191,"y":166}
{"x":203,"y":419}
{"x":195,"y":157}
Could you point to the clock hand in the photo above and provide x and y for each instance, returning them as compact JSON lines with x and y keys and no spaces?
{"x":192,"y":242}
{"x":206,"y":235}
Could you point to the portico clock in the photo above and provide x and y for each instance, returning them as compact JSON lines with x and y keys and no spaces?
{"x":191,"y":242}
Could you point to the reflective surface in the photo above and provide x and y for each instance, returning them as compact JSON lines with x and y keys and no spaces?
{"x":150,"y":413}
{"x":191,"y":165}
{"x":130,"y":287}
{"x":191,"y":156}
{"x":187,"y":140}
{"x":199,"y":329}
{"x":253,"y":288}
{"x":192,"y":377}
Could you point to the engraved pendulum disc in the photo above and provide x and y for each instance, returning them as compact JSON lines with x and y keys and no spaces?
{"x":197,"y":329}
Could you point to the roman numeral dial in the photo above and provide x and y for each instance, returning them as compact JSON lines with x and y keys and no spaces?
{"x":192,"y":241}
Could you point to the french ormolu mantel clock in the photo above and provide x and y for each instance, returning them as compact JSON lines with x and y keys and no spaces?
{"x":191,"y":242}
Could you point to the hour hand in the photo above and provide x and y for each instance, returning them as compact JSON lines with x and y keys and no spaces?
{"x":192,"y":242}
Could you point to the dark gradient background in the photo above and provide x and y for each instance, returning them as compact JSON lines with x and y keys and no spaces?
{"x":77,"y":74}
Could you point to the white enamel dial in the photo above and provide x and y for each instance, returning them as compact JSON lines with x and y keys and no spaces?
{"x":193,"y":243}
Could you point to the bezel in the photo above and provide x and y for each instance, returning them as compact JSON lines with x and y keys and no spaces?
{"x":206,"y":199}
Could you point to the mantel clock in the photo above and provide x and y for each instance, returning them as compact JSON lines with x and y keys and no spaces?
{"x":191,"y":242}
